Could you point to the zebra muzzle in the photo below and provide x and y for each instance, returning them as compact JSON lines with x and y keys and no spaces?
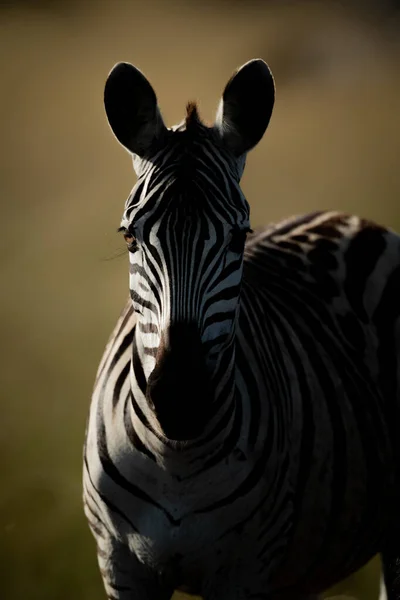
{"x":179,"y":389}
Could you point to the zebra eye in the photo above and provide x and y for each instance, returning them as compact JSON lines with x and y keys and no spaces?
{"x":129,"y":239}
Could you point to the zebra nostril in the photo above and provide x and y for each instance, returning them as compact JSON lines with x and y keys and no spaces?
{"x":238,"y":454}
{"x":150,"y":402}
{"x":151,"y":391}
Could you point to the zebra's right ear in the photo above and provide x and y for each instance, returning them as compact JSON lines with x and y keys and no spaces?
{"x":246,"y":107}
{"x":132,"y":111}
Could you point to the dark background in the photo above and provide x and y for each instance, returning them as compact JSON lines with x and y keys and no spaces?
{"x":333,"y":142}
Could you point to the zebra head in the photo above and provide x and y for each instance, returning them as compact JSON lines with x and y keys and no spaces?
{"x":185,"y":224}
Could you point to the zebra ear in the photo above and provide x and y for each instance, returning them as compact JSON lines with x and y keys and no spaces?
{"x":131,"y":107}
{"x":246,"y":107}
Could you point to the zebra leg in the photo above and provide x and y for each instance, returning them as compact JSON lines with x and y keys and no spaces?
{"x":125,"y":578}
{"x":231,"y":592}
{"x":294,"y":596}
{"x":391,"y":570}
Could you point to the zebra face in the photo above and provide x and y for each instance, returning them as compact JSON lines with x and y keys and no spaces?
{"x":186,"y":220}
{"x":186,"y":239}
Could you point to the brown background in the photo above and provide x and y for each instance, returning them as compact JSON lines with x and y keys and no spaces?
{"x":333,"y":142}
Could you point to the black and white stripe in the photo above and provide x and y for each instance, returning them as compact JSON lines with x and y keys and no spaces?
{"x":241,"y":441}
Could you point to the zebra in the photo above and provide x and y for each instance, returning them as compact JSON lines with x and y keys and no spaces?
{"x":241,"y":442}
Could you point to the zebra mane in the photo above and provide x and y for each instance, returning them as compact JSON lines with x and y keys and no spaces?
{"x":192,"y":115}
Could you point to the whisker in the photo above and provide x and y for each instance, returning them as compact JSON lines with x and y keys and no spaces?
{"x":117,"y":254}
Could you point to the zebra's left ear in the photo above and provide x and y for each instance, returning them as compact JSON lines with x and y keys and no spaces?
{"x":246,"y":107}
{"x":132,"y":111}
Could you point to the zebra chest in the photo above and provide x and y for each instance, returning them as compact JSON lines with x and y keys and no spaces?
{"x":170,"y":520}
{"x":196,"y":542}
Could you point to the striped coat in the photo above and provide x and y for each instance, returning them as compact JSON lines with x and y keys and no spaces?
{"x":242,"y":437}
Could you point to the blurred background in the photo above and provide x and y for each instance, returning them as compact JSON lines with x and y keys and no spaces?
{"x":333,"y":142}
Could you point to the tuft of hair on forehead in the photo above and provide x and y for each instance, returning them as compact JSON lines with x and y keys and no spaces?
{"x":192,"y":115}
